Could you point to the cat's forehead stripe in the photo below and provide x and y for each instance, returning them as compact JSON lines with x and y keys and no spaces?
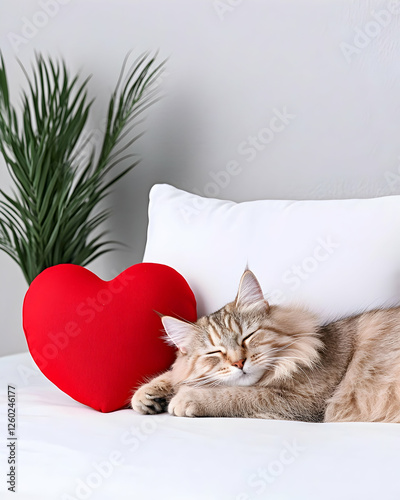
{"x":211,"y":339}
{"x":221,"y":326}
{"x":214,"y":338}
{"x":228,"y":321}
{"x":232,"y":324}
{"x":213,"y":332}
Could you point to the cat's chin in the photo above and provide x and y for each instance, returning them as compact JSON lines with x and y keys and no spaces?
{"x":244,"y":378}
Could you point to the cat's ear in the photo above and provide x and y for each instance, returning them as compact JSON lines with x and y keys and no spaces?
{"x":178,"y":332}
{"x":250,"y":295}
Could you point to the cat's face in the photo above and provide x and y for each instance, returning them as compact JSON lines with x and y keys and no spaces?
{"x":244,"y":342}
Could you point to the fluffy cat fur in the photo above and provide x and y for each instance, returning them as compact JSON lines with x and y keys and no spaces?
{"x":252,"y":359}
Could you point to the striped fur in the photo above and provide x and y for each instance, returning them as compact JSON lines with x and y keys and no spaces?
{"x":252,"y":359}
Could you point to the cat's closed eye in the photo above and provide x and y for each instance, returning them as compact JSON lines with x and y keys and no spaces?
{"x":213,"y":352}
{"x":248,"y":336}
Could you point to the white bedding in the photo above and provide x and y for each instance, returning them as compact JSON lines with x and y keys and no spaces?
{"x":68,"y":451}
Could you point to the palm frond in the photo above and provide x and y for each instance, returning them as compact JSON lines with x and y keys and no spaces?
{"x":53,"y":215}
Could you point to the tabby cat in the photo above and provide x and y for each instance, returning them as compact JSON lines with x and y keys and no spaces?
{"x":252,"y":359}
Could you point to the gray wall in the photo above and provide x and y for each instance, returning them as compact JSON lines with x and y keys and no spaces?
{"x":234,"y":68}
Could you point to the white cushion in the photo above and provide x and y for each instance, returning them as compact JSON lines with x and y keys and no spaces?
{"x":337,"y":257}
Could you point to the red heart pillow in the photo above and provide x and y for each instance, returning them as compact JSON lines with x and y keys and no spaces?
{"x":97,"y":340}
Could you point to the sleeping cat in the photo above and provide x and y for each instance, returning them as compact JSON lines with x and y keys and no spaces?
{"x":252,"y":359}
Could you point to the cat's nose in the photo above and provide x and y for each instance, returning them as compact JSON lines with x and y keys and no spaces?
{"x":239,"y":363}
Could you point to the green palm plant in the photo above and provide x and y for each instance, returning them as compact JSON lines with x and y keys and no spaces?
{"x":54,"y":214}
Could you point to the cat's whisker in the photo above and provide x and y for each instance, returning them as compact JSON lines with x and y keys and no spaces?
{"x":261,"y":361}
{"x":261,"y":356}
{"x":297,"y":358}
{"x":214,"y":383}
{"x":298,"y":367}
{"x":309,"y":380}
{"x":278,"y":349}
{"x":202,"y":380}
{"x":199,"y":381}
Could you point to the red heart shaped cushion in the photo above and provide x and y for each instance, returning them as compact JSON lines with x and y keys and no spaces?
{"x":97,"y":340}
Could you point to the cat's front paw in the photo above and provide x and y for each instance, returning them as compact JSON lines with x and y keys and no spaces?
{"x":150,"y":399}
{"x":188,"y":402}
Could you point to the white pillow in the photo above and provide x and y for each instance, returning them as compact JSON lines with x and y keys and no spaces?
{"x":337,"y":257}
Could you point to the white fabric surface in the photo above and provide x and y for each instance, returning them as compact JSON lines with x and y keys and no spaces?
{"x":62,"y":445}
{"x":337,"y":257}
